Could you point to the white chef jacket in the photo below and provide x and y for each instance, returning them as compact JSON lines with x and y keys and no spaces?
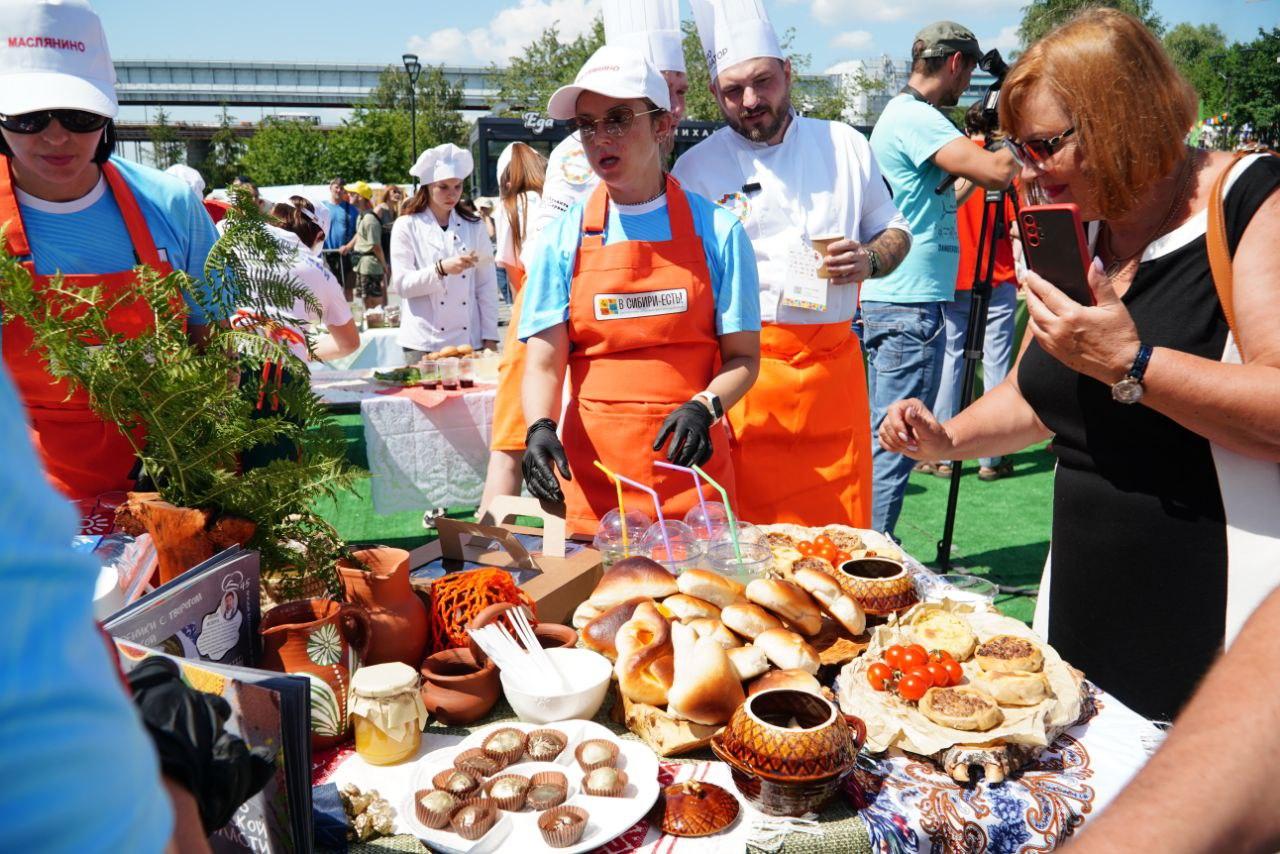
{"x":822,"y":179}
{"x":505,"y":253}
{"x":441,"y":312}
{"x":570,"y":179}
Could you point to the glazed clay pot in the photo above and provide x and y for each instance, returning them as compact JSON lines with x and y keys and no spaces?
{"x":322,"y":640}
{"x":456,"y":689}
{"x":783,"y":771}
{"x":880,"y":585}
{"x":377,"y":579}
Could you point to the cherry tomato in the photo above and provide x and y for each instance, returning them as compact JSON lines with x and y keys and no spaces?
{"x":940,"y":655}
{"x":823,"y":540}
{"x":805,"y":548}
{"x":921,"y":672}
{"x":893,"y":655}
{"x":842,"y":557}
{"x":826,"y":552}
{"x":954,"y":671}
{"x":879,"y":675}
{"x":941,"y":677}
{"x":912,"y":688}
{"x":914,"y":656}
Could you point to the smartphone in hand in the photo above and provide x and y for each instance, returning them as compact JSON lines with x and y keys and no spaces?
{"x":1054,"y":246}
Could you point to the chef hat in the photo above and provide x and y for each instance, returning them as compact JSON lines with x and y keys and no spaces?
{"x":504,"y":160}
{"x":734,"y":31}
{"x":442,"y":163}
{"x":323,"y":216}
{"x":656,"y":21}
{"x":188,"y":176}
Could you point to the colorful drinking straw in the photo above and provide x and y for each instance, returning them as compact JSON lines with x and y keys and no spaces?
{"x":697,"y":484}
{"x":657,"y":505}
{"x":733,"y":523}
{"x":622,"y":510}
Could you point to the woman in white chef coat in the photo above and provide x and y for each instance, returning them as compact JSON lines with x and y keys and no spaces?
{"x":442,"y":261}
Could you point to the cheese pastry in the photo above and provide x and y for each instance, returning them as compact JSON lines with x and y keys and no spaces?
{"x":1015,"y":688}
{"x":934,"y":629}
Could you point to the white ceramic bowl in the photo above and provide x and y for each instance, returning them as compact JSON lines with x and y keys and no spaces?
{"x":587,"y":673}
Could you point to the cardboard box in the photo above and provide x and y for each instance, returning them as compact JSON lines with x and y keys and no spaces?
{"x":557,"y":575}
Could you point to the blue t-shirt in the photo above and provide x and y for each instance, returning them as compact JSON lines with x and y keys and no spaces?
{"x":730,"y":260}
{"x":906,"y":136}
{"x":89,"y":234}
{"x":342,"y":224}
{"x":80,"y":773}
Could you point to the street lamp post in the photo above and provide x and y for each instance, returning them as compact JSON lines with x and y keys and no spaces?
{"x":413,"y":68}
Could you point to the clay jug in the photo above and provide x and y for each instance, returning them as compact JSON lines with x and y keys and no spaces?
{"x":324,"y":641}
{"x":377,"y":579}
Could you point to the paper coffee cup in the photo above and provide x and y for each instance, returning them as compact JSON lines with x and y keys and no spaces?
{"x":821,"y":245}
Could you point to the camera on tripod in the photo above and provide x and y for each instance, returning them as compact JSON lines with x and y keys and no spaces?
{"x":993,"y":63}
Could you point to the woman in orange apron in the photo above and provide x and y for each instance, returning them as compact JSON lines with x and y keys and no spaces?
{"x":67,"y":207}
{"x":521,"y":171}
{"x":659,"y":328}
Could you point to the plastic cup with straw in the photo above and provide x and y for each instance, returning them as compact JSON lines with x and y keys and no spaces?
{"x":622,"y":510}
{"x":728,"y":509}
{"x":657,"y":506}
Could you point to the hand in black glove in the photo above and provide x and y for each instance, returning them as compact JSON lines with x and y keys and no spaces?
{"x":543,"y":454}
{"x":690,"y":430}
{"x":196,"y":752}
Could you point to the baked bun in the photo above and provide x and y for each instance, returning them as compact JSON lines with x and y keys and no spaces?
{"x":599,"y":635}
{"x":1014,"y":688}
{"x":716,"y":630}
{"x":747,"y":661}
{"x":709,"y":587}
{"x":645,"y":667}
{"x":797,"y":680}
{"x":684,"y":607}
{"x":706,"y":688}
{"x":1009,"y":653}
{"x":449,"y":353}
{"x":936,"y":629}
{"x":823,"y":588}
{"x":585,"y":613}
{"x":632,"y":577}
{"x":788,"y":651}
{"x":465,"y":349}
{"x":961,"y":707}
{"x":748,"y":619}
{"x":789,"y":602}
{"x":844,"y":540}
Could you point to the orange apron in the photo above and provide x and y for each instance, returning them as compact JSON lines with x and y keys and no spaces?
{"x":643,"y":334}
{"x":508,"y":413}
{"x":802,"y":450}
{"x":82,"y":455}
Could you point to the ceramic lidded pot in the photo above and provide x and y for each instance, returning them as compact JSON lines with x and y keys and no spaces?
{"x":324,"y":641}
{"x":458,"y":689}
{"x":788,"y":750}
{"x":377,"y":579}
{"x":880,"y":585}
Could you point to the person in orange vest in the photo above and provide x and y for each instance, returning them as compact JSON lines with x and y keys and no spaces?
{"x":68,"y":206}
{"x":647,"y":295}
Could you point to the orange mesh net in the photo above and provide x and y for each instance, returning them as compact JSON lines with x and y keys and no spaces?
{"x":457,"y":598}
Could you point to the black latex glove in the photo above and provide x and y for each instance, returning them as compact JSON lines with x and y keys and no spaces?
{"x":689,"y":427}
{"x":543,"y":454}
{"x":196,"y":752}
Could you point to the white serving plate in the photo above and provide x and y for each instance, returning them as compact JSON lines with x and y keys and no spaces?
{"x":607,"y":818}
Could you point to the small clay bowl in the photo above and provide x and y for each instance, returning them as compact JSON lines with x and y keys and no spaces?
{"x":435,"y":819}
{"x":604,"y":782}
{"x":474,"y":818}
{"x":596,"y":758}
{"x":458,"y":688}
{"x":514,"y":800}
{"x":555,"y":636}
{"x":547,"y":789}
{"x":476,"y":761}
{"x":509,"y":754}
{"x":447,"y":781}
{"x":694,"y":808}
{"x":544,"y":745}
{"x":562,"y":826}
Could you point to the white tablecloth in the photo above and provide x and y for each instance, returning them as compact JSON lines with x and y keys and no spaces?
{"x":422,"y":458}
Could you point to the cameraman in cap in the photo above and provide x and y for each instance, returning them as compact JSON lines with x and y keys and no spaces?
{"x":917,"y":148}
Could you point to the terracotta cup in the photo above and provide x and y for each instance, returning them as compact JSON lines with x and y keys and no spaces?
{"x":377,"y":579}
{"x":456,"y":689}
{"x":324,"y":640}
{"x":549,"y":635}
{"x":821,"y":245}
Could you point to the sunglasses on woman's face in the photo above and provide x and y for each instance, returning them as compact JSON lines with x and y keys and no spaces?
{"x":616,"y":123}
{"x":1038,"y":150}
{"x":75,"y":121}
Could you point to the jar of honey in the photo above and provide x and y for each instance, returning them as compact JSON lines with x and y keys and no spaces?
{"x":387,"y":711}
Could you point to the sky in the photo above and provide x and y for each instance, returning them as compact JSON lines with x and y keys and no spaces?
{"x":478,"y":32}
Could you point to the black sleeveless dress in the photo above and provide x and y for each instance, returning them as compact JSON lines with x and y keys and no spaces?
{"x":1139,"y":559}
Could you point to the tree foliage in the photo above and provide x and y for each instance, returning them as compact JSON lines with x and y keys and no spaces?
{"x":545,"y":65}
{"x":1041,"y":16}
{"x":226,"y":151}
{"x":285,"y":151}
{"x":166,"y":148}
{"x":1249,"y":80}
{"x":1194,"y":49}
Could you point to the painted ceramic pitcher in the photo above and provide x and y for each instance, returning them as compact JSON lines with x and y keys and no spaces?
{"x":377,"y":579}
{"x":324,"y":641}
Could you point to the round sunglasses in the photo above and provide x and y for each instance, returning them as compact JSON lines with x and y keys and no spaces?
{"x":616,"y":123}
{"x":75,"y":121}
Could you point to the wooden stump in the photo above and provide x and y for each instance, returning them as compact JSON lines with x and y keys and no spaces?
{"x":183,"y":536}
